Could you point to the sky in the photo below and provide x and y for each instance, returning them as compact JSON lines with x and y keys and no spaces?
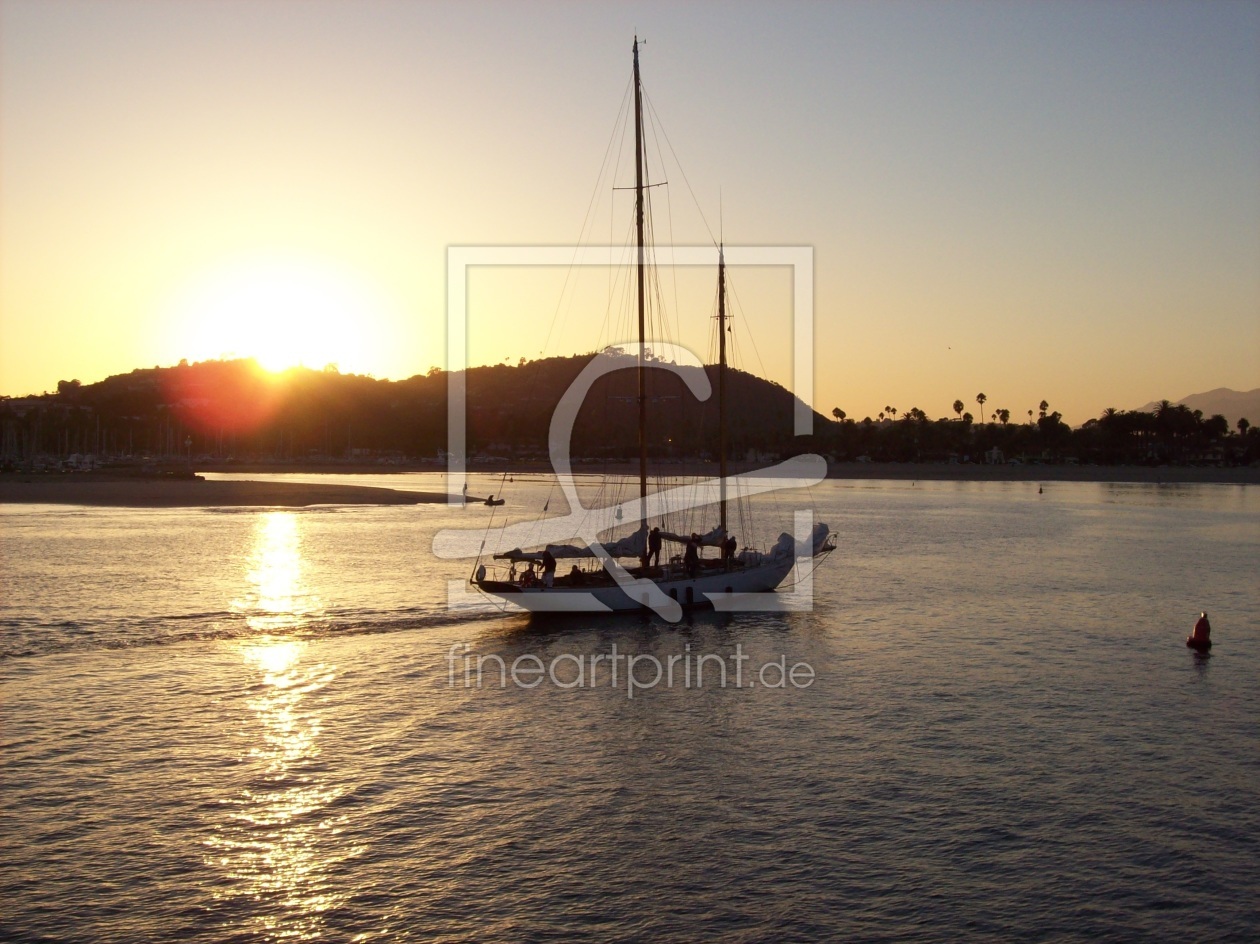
{"x":1055,"y":201}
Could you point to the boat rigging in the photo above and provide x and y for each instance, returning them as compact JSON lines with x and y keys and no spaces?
{"x":685,"y":580}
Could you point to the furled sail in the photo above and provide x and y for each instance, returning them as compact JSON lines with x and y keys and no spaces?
{"x":713,"y":538}
{"x":632,"y":545}
{"x":786,"y":545}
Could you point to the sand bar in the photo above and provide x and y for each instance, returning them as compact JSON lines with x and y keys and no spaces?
{"x":137,"y":492}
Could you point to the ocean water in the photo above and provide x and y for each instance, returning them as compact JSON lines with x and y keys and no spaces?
{"x":264,"y":725}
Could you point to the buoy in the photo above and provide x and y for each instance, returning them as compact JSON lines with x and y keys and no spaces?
{"x":1200,"y":638}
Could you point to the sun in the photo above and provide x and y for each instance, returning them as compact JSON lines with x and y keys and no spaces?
{"x":283,"y":311}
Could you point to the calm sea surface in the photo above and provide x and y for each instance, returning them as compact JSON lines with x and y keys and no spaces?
{"x":252,"y":725}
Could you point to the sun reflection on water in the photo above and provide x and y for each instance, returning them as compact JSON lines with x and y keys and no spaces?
{"x":278,"y":602}
{"x":278,"y":841}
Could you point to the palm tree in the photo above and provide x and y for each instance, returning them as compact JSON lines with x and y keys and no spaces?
{"x":958,"y":408}
{"x":1042,"y":408}
{"x":1004,"y":416}
{"x":893,"y":411}
{"x":839,"y":414}
{"x":980,"y":398}
{"x":1244,"y":424}
{"x":1030,"y":417}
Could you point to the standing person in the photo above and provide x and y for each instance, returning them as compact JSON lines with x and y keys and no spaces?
{"x":549,"y":567}
{"x":728,"y":550}
{"x":1201,"y":636}
{"x":654,"y":548}
{"x":691,"y":557}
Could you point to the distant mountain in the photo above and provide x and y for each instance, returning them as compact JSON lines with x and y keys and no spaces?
{"x":1231,"y":404}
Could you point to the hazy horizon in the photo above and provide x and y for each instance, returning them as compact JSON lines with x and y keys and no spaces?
{"x":1056,"y":202}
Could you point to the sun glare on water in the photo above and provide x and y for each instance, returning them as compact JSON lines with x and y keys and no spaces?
{"x":283,"y":312}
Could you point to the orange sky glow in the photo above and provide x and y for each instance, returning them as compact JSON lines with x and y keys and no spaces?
{"x":1054,"y":201}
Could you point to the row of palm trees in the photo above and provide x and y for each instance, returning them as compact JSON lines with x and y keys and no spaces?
{"x":1171,"y":433}
{"x":1002,"y":416}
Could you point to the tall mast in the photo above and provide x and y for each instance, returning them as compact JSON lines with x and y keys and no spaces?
{"x":722,"y":383}
{"x":638,"y":227}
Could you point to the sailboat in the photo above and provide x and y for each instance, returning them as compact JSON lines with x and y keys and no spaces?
{"x":734,"y":579}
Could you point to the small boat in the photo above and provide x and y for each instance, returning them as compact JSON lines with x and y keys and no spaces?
{"x":495,"y":502}
{"x":671,"y":582}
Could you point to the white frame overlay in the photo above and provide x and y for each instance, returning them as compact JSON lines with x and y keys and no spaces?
{"x":459,"y":259}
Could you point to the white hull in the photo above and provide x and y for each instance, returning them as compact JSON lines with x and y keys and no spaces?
{"x":721,"y":589}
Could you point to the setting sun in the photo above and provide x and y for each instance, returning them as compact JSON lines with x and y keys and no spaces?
{"x":283,"y":312}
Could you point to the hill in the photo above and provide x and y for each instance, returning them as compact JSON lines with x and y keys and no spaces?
{"x":1231,"y":404}
{"x":234,"y":408}
{"x":234,"y":412}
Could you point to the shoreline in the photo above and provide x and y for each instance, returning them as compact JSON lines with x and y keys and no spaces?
{"x":130,"y":490}
{"x":89,"y":488}
{"x":1139,"y":474}
{"x":895,"y":471}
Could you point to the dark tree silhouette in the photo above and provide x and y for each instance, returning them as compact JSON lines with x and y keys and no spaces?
{"x":233,"y":409}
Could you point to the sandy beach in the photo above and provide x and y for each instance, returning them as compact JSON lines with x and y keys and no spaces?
{"x":155,"y":492}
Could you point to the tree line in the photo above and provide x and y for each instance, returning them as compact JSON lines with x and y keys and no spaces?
{"x":1170,"y":434}
{"x":233,"y":410}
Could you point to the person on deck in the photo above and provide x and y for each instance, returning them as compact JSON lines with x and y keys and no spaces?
{"x":549,"y":568}
{"x":728,"y":549}
{"x":691,"y":556}
{"x":1201,"y":636}
{"x":654,"y":548}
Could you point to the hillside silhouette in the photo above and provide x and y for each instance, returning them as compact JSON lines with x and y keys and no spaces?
{"x":233,"y":411}
{"x":233,"y":408}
